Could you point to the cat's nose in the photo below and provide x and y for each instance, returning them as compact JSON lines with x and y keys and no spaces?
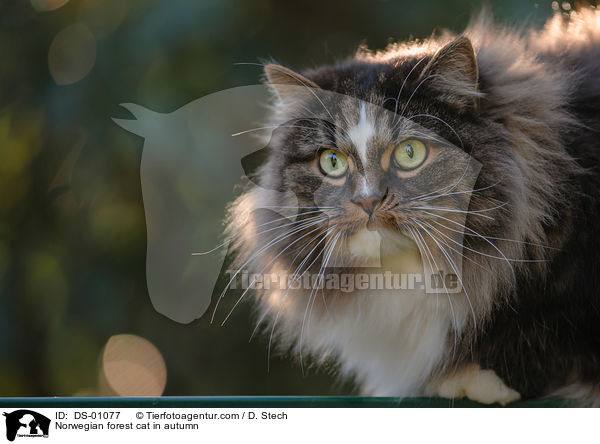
{"x":367,"y":203}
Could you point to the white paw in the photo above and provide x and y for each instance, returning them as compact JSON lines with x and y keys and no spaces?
{"x":478,"y":385}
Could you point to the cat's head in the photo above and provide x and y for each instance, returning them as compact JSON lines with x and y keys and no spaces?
{"x":372,"y":143}
{"x":420,"y":142}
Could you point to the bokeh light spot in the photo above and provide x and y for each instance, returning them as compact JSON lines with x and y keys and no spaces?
{"x":72,"y":54}
{"x":47,"y":5}
{"x":133,"y":366}
{"x":103,"y":16}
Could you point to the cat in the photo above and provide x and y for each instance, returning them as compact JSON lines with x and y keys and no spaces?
{"x":525,"y":107}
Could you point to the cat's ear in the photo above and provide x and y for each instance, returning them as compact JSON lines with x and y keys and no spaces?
{"x":454,"y":71}
{"x":281,"y":79}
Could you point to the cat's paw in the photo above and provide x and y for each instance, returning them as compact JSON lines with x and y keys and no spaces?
{"x":472,"y":382}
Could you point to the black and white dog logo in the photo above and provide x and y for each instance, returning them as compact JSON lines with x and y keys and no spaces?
{"x":26,"y":423}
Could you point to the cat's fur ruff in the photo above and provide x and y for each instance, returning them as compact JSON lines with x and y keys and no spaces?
{"x":529,"y":111}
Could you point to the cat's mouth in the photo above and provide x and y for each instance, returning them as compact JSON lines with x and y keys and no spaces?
{"x":355,"y":219}
{"x":381,"y":224}
{"x":371,"y":245}
{"x":365,"y":244}
{"x":373,"y":225}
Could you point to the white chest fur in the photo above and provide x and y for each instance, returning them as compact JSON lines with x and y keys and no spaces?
{"x":389,"y":340}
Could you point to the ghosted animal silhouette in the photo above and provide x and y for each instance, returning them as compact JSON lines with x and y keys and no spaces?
{"x":177,"y":153}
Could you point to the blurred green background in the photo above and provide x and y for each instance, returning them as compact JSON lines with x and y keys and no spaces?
{"x":72,"y":229}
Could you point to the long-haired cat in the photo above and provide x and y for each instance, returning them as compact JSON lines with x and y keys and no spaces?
{"x":525,"y":107}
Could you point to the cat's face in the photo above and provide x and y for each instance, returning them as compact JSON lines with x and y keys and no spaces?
{"x":394,"y":151}
{"x":370,"y":169}
{"x":361,"y":158}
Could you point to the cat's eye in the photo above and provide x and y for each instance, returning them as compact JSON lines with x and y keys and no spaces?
{"x":333,"y":163}
{"x":410,"y":154}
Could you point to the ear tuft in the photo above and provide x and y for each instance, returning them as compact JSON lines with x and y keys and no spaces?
{"x":453,"y":69}
{"x":280,"y":77}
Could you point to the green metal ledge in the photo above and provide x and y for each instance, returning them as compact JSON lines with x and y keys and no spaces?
{"x":261,"y":402}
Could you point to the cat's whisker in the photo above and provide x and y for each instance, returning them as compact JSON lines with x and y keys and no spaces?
{"x":471,"y":260}
{"x":497,"y":238}
{"x":263,"y":270}
{"x":402,"y":88}
{"x":299,"y":80}
{"x":293,"y":207}
{"x":258,"y":324}
{"x":423,"y":196}
{"x":313,"y":294}
{"x":335,"y":264}
{"x":448,"y":296}
{"x":330,"y":126}
{"x":310,"y":297}
{"x":514,"y":274}
{"x":306,"y":244}
{"x":275,"y":241}
{"x":321,"y":273}
{"x":409,"y":133}
{"x":431,"y":76}
{"x":464,"y":290}
{"x":229,"y":240}
{"x":453,"y":248}
{"x":337,"y":256}
{"x":266,"y":312}
{"x":295,"y":275}
{"x":489,"y":255}
{"x":291,"y":282}
{"x":310,"y":114}
{"x":452,"y":312}
{"x":312,"y":118}
{"x":441,"y":190}
{"x":423,"y":253}
{"x":454,"y":268}
{"x":453,"y":210}
{"x":262,"y":128}
{"x":450,"y":127}
{"x":465,"y":191}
